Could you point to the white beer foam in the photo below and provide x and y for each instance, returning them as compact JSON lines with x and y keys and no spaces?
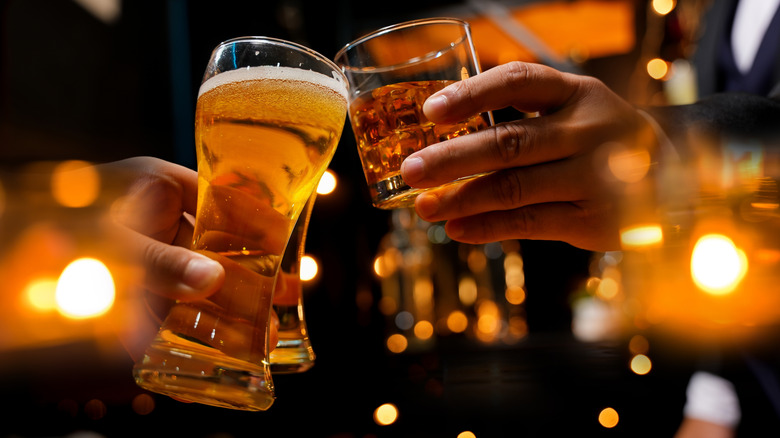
{"x":272,"y":72}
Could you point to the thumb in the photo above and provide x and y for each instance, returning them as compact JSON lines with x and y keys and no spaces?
{"x":178,"y":273}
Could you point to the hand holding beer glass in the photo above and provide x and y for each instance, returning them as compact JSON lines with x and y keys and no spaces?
{"x":391,"y":73}
{"x":269,"y":117}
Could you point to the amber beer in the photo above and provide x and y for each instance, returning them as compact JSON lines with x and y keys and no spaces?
{"x":264,"y":137}
{"x":389,"y":125}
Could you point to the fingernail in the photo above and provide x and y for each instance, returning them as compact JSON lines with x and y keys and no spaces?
{"x":412,"y":170}
{"x":454,"y":230}
{"x":201,"y":273}
{"x":427,"y":204}
{"x":435,"y":106}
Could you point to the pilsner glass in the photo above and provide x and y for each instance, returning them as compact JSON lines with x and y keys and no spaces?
{"x":391,"y":72}
{"x":293,"y":352}
{"x":269,"y":116}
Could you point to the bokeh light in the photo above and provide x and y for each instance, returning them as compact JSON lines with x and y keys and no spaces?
{"x":327,"y":183}
{"x":466,"y":434}
{"x":515,"y":295}
{"x":309,"y":268}
{"x":641,"y":364}
{"x":657,"y":68}
{"x":638,"y":344}
{"x":467,"y":290}
{"x":397,"y":343}
{"x":41,"y":294}
{"x":608,"y":417}
{"x":628,"y":165}
{"x":457,"y":322}
{"x":95,"y":409}
{"x":717,"y":265}
{"x":85,"y":289}
{"x":423,"y":330}
{"x":75,"y":184}
{"x":663,"y":7}
{"x":143,"y":404}
{"x":386,"y":414}
{"x":641,"y":236}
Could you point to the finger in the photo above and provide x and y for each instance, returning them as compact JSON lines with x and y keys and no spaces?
{"x":580,"y":224}
{"x":507,"y":145}
{"x":155,"y":193}
{"x":152,"y":169}
{"x":558,"y":181}
{"x":527,"y":87}
{"x":172,"y":271}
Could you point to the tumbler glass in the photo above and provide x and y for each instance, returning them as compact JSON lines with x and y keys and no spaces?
{"x":391,"y":72}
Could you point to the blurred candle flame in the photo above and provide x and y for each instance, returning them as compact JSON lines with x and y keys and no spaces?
{"x":717,"y":265}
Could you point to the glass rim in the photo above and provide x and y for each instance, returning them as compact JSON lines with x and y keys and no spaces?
{"x":290,"y":44}
{"x":399,"y":26}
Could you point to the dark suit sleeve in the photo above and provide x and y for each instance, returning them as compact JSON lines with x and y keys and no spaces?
{"x":722,"y":116}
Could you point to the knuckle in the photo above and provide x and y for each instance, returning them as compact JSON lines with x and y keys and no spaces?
{"x":508,"y":141}
{"x":508,"y":189}
{"x":523,"y":222}
{"x":153,"y":258}
{"x":517,"y":73}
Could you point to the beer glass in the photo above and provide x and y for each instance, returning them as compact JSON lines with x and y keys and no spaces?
{"x":269,"y":116}
{"x":391,"y":72}
{"x":293,"y":352}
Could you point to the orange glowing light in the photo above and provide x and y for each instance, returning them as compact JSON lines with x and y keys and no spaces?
{"x":40,"y":293}
{"x":423,"y":330}
{"x":397,"y":343}
{"x":515,"y":295}
{"x":85,"y":289}
{"x":638,"y":344}
{"x":663,"y":7}
{"x":95,"y":409}
{"x":466,"y":434}
{"x":657,"y":68}
{"x":641,"y":236}
{"x":388,"y":305}
{"x":75,"y":184}
{"x":476,"y":261}
{"x":608,"y":289}
{"x":379,"y":267}
{"x":488,"y":324}
{"x":386,"y":414}
{"x":518,"y":327}
{"x":457,"y":322}
{"x":327,"y":183}
{"x":717,"y":265}
{"x":641,"y":364}
{"x":628,"y":164}
{"x":608,"y":418}
{"x":467,"y":291}
{"x":309,"y":268}
{"x":143,"y":404}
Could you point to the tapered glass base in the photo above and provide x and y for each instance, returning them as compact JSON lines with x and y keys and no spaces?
{"x":191,"y":371}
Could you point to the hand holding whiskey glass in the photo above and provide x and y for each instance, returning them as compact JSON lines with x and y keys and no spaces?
{"x":391,"y":73}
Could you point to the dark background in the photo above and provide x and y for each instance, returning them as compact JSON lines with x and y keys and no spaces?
{"x":74,"y":87}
